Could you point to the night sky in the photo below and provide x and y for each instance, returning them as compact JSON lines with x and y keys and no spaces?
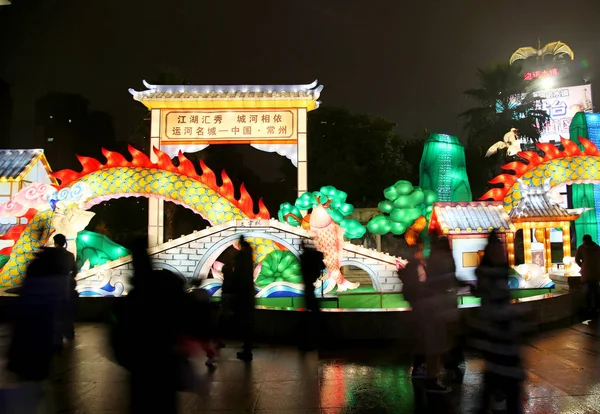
{"x":408,"y":63}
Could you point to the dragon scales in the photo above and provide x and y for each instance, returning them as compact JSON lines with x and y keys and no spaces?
{"x":139,"y":177}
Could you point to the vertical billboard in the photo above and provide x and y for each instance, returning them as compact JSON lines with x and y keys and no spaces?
{"x":562,"y":104}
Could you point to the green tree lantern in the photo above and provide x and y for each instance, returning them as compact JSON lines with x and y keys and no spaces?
{"x":406,"y":210}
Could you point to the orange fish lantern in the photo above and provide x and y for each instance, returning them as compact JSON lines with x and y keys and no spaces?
{"x":306,"y":222}
{"x":327,"y":226}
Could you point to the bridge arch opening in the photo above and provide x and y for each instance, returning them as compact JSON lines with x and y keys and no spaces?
{"x":350,"y":264}
{"x":166,"y":266}
{"x":219,"y":247}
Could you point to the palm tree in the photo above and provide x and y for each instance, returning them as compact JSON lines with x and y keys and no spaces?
{"x":505,"y":101}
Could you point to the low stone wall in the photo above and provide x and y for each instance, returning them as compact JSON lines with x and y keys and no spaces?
{"x":347,"y":325}
{"x":539,"y":313}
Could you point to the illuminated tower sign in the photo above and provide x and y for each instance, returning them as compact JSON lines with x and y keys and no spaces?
{"x":541,"y":74}
{"x":189,"y":118}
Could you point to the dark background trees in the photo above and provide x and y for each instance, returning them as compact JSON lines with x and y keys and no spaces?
{"x":505,"y":100}
{"x":66,"y":127}
{"x":358,"y":154}
{"x":5,"y":113}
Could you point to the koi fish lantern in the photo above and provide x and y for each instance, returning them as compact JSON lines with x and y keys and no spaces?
{"x":327,"y":224}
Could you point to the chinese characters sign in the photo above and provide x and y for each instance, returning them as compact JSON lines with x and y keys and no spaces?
{"x":229,"y":125}
{"x":561,"y":104}
{"x":540,"y":74}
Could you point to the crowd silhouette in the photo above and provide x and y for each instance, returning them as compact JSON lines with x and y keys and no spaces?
{"x":443,"y":335}
{"x":43,"y":320}
{"x":155,"y":333}
{"x":495,"y":332}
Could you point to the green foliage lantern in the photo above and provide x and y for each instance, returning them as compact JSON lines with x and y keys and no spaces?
{"x":289,"y":214}
{"x":405,"y":208}
{"x":279,"y":266}
{"x":97,"y":249}
{"x":335,"y":202}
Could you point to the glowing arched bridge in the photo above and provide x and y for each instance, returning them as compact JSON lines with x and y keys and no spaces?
{"x":192,"y":256}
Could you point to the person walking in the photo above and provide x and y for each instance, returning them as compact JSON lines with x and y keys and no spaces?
{"x":413,"y":289}
{"x":588,"y":258}
{"x":201,"y":300}
{"x":243,"y":298}
{"x":440,"y":302}
{"x":71,"y":270}
{"x":150,"y":329}
{"x":38,"y":326}
{"x":225,"y":314}
{"x":495,"y":332}
{"x":312,"y":265}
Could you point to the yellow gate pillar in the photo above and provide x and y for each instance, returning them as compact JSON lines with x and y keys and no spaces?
{"x":527,"y":245}
{"x":510,"y":248}
{"x":566,"y":238}
{"x":547,"y":250}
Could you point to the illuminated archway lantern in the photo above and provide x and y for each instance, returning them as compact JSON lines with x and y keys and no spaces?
{"x":189,"y":118}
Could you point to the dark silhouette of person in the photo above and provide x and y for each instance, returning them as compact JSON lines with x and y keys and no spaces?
{"x":151,"y":323}
{"x":495,"y":333}
{"x":226,"y":308}
{"x":311,"y":262}
{"x":312,"y":265}
{"x":38,"y":323}
{"x":60,"y":244}
{"x":243,"y":297}
{"x":588,"y":258}
{"x":201,"y":299}
{"x":440,"y":302}
{"x":414,"y":292}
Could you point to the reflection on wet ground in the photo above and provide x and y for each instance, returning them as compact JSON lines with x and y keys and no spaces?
{"x":563,"y":377}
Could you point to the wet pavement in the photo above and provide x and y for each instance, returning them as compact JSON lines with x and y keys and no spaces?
{"x":563,"y":369}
